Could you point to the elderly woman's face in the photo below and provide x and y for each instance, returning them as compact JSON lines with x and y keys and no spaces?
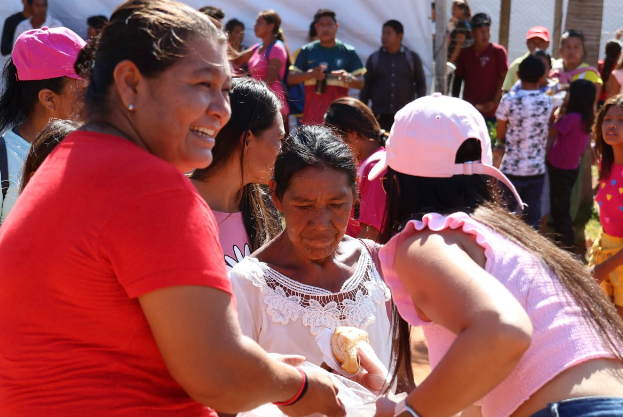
{"x":316,"y":207}
{"x":185,"y":106}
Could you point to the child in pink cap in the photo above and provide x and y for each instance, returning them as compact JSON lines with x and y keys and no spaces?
{"x":514,"y":325}
{"x":39,"y":84}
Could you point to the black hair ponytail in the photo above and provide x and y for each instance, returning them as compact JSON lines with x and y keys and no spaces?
{"x":20,"y":97}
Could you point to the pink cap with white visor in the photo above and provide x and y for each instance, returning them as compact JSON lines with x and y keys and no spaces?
{"x":426,"y":136}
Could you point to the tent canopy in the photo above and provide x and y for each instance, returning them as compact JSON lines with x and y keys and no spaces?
{"x":360,"y":21}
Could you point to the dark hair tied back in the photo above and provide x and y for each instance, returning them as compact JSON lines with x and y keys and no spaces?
{"x":313,"y":146}
{"x":349,"y":114}
{"x":20,"y":98}
{"x":153,"y":34}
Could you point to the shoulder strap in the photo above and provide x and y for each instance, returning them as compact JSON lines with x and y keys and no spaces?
{"x":374,"y":254}
{"x":4,"y":168}
{"x":268,"y":49}
{"x":374,"y":60}
{"x":410,"y":61}
{"x":267,"y":55}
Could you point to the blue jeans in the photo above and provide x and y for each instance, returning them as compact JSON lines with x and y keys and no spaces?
{"x":584,"y":407}
{"x":530,"y":189}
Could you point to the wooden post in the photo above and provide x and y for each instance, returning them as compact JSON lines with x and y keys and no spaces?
{"x":557,"y":29}
{"x":587,"y":16}
{"x":505,"y":20}
{"x":440,"y":49}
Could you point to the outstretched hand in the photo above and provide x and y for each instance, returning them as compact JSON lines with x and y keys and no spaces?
{"x":321,"y":397}
{"x":374,"y":373}
{"x":385,"y":407}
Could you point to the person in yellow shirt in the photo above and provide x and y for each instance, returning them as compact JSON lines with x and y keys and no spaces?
{"x":537,"y":38}
{"x":571,"y":66}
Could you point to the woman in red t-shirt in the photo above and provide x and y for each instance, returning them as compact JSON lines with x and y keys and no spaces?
{"x":113,"y":297}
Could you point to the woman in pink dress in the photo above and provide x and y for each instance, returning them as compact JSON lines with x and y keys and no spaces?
{"x":269,"y":59}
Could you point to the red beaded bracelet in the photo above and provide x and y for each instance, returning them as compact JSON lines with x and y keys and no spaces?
{"x":299,"y":394}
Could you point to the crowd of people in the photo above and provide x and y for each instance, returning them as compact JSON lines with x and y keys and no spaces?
{"x":172,"y":244}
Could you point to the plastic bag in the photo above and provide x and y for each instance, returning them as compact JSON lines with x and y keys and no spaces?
{"x":359,"y":402}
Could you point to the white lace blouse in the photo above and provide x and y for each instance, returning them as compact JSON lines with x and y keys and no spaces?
{"x":284,"y":316}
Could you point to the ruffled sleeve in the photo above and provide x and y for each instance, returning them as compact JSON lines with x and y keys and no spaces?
{"x":436,"y":223}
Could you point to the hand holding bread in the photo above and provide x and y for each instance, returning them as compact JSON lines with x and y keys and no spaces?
{"x":344,"y":346}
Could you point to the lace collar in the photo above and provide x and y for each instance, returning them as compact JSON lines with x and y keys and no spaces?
{"x":356,"y":304}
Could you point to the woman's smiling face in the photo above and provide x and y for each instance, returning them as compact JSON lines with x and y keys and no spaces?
{"x":185,"y":106}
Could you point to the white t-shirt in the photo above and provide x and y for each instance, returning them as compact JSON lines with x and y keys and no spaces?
{"x":17,"y":150}
{"x":27,"y":25}
{"x":284,"y":316}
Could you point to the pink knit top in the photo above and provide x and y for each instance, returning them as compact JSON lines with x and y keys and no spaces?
{"x":562,"y":337}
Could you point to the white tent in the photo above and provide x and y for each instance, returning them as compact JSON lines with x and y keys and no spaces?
{"x":360,"y":20}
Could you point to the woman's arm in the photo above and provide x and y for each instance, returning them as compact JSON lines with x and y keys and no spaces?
{"x":272,"y":73}
{"x":612,"y":87}
{"x":493,"y":330}
{"x":197,"y":333}
{"x":244,"y":56}
{"x":602,"y":270}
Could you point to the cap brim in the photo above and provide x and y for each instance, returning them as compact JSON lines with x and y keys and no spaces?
{"x":538,"y":36}
{"x":380,"y":166}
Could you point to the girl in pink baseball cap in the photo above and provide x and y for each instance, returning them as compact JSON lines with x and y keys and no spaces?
{"x":514,"y":325}
{"x":39,"y":84}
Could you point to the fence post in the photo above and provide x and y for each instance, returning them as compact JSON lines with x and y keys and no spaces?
{"x":557,"y":29}
{"x":505,"y":19}
{"x":440,"y":49}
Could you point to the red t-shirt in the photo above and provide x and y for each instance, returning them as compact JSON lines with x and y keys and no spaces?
{"x":316,"y":105}
{"x":481,"y":72}
{"x":100,"y":224}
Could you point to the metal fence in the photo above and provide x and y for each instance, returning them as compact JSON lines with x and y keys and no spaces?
{"x":528,"y":13}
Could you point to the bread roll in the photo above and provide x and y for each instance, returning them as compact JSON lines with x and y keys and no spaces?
{"x":344,"y":346}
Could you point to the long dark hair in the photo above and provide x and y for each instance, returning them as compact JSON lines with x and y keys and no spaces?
{"x":153,"y":34}
{"x":613,"y":51}
{"x":20,"y":98}
{"x":253,"y":109}
{"x":412,"y":197}
{"x":581,"y":97}
{"x":603,"y":151}
{"x":272,"y":17}
{"x":43,"y":145}
{"x":348,"y":113}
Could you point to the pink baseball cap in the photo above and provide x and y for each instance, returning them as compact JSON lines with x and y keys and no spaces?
{"x":426,"y":135}
{"x":538,"y":32}
{"x":45,"y":53}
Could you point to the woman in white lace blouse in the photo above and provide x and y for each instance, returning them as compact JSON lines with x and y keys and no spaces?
{"x":312,"y":276}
